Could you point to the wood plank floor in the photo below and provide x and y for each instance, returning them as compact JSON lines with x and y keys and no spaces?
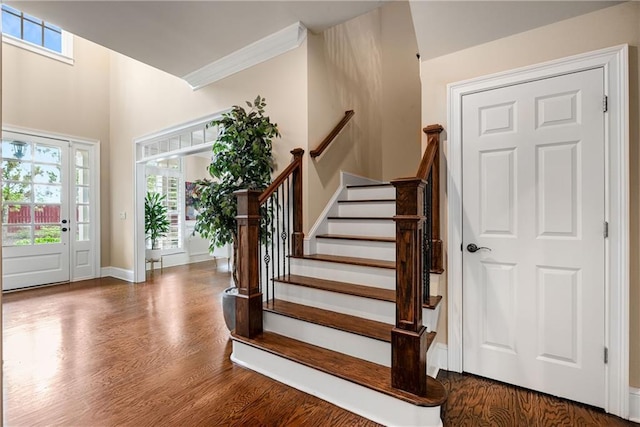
{"x":105,"y":353}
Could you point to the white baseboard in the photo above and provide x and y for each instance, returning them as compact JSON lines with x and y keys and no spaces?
{"x":634,"y":404}
{"x":118,"y":273}
{"x":440,"y":358}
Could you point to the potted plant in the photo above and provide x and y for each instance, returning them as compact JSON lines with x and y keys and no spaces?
{"x":156,"y":222}
{"x":242,"y":159}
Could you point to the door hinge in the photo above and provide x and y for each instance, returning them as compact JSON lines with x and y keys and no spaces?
{"x":460,"y":247}
{"x":605,"y":103}
{"x":606,"y":355}
{"x":605,"y":231}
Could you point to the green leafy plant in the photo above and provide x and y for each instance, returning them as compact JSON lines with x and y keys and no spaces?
{"x":156,"y":221}
{"x":242,"y":159}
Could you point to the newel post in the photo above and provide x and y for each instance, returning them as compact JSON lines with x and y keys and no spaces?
{"x":249,"y":298}
{"x":437,"y":262}
{"x":297,"y":239}
{"x":409,"y":336}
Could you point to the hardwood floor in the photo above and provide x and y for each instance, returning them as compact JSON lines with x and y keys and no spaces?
{"x":105,"y":352}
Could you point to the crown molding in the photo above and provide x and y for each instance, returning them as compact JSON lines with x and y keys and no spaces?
{"x":262,"y":50}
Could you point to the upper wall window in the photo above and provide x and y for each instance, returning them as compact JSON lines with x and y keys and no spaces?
{"x":36,"y":35}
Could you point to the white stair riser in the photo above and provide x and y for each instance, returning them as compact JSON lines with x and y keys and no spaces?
{"x":357,"y":274}
{"x":370,"y":349}
{"x":364,"y":249}
{"x":367,"y":308}
{"x":371,"y":193}
{"x":363,"y":401}
{"x":376,"y":228}
{"x":368,"y":209}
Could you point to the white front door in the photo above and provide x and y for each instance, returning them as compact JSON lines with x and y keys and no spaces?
{"x":48,"y":214}
{"x":533,"y":193}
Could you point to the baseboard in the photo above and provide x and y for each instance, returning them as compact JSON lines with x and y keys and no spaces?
{"x":634,"y":404}
{"x":118,"y":273}
{"x":441,"y":355}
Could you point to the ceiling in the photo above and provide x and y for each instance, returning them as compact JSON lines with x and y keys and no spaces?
{"x":180,"y":37}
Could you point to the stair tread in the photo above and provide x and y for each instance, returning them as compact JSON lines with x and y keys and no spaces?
{"x":340,"y":287}
{"x":344,"y":322}
{"x":361,"y":218}
{"x":367,"y":201}
{"x":382,"y":184}
{"x":358,"y":371}
{"x":367,"y":262}
{"x":350,"y":237}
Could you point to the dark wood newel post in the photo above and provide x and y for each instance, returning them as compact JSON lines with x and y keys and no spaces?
{"x":297,"y":241}
{"x":409,"y":336}
{"x":437,"y":262}
{"x":249,"y":298}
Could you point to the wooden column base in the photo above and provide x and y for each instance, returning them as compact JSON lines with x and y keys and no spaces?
{"x":249,"y":315}
{"x":297,"y":244}
{"x":409,"y":360}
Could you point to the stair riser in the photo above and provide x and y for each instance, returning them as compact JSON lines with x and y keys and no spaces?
{"x":376,"y":250}
{"x":381,"y":311}
{"x":376,"y":228}
{"x":370,"y":349}
{"x":357,"y":274}
{"x":363,"y":401}
{"x":368,"y":209}
{"x":370,"y":193}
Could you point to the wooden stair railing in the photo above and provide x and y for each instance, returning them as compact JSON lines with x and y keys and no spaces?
{"x":279,"y":206}
{"x":415,"y":197}
{"x":332,"y":135}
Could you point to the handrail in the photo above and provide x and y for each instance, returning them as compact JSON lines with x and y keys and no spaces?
{"x":429,"y":155}
{"x":295,"y":163}
{"x":332,"y":135}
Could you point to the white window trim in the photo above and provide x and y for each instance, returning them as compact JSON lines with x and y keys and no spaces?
{"x":67,"y":47}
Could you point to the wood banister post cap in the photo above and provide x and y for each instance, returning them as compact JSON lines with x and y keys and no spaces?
{"x":247,"y":191}
{"x":433,"y":129}
{"x":297,"y":152}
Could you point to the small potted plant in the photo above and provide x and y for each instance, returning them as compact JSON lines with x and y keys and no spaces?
{"x":242,"y":159}
{"x":156,"y":222}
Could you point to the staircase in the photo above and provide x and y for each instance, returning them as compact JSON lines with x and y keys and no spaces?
{"x":327,"y":323}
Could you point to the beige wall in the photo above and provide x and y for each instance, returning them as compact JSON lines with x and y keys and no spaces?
{"x":145,"y":100}
{"x":44,"y":94}
{"x":608,"y":27}
{"x":368,"y":65}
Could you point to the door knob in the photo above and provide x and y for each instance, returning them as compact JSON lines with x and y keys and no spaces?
{"x":472,"y":247}
{"x":64,"y":228}
{"x":64,"y":221}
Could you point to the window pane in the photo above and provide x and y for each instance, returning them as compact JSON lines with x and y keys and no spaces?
{"x":32,"y":32}
{"x":82,"y":213}
{"x":211,"y":133}
{"x":47,"y":154}
{"x":82,"y":195}
{"x":52,"y":40}
{"x":47,"y":214}
{"x":10,"y":9}
{"x":16,"y":214}
{"x":16,"y":235}
{"x":33,"y":19}
{"x":185,"y":140}
{"x":16,"y":150}
{"x":82,"y":232}
{"x":197,"y":136}
{"x":82,"y":176}
{"x":16,"y":192}
{"x":47,"y":193}
{"x":46,"y":234}
{"x":11,"y":23}
{"x":174,"y":144}
{"x":49,"y":174}
{"x":13,"y":170}
{"x":82,"y":158}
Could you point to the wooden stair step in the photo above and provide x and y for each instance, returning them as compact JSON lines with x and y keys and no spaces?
{"x":360,"y":218}
{"x":367,"y":374}
{"x":363,"y":291}
{"x":343,"y":322}
{"x":366,"y":262}
{"x":367,"y":201}
{"x":382,"y":184}
{"x":360,"y":238}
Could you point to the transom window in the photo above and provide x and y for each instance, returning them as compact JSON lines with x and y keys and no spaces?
{"x":34,"y":33}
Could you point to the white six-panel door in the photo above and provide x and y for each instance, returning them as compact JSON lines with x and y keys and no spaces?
{"x":533,"y":193}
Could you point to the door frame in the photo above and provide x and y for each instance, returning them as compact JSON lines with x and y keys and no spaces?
{"x":94,"y":196}
{"x":614,"y":61}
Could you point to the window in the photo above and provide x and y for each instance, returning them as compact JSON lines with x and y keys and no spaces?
{"x":34,"y":34}
{"x":165,"y":177}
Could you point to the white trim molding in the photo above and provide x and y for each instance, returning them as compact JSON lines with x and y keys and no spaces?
{"x":614,"y":62}
{"x":634,"y":404}
{"x":67,"y":47}
{"x":260,"y":51}
{"x":118,"y":273}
